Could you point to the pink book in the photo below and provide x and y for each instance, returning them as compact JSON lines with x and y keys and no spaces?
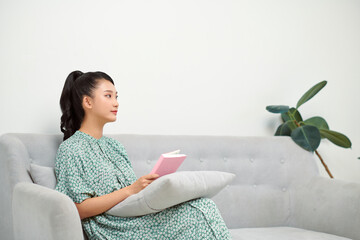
{"x":168,"y":163}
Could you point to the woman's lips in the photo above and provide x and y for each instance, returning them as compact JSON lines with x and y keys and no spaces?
{"x":114,"y":112}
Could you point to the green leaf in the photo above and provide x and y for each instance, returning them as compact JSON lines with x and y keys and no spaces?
{"x":286,"y":128}
{"x":310,"y":93}
{"x":294,"y":113}
{"x":291,"y":124}
{"x":318,"y":122}
{"x":283,"y":130}
{"x":307,"y":137}
{"x":277,"y":108}
{"x":337,"y":138}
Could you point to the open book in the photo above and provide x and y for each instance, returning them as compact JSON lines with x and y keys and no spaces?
{"x":168,"y":163}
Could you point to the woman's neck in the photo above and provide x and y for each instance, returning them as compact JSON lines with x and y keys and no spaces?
{"x":95,"y":133}
{"x":91,"y":128}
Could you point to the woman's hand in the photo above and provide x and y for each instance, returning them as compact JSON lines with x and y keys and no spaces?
{"x":142,"y":183}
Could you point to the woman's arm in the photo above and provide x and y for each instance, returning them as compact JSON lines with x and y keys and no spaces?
{"x":97,"y":205}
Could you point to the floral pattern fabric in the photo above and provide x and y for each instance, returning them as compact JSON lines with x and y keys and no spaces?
{"x":87,"y":167}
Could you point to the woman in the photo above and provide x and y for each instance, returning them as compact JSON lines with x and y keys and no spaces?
{"x":95,"y":172}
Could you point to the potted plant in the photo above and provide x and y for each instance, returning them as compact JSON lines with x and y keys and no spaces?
{"x":307,"y":133}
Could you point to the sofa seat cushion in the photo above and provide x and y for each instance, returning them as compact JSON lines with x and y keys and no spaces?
{"x":281,"y":233}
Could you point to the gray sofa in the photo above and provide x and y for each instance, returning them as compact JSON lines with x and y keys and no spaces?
{"x":277,"y":193}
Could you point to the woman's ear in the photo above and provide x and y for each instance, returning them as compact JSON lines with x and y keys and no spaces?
{"x":87,"y":102}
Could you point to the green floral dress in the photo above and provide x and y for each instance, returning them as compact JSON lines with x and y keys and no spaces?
{"x":87,"y":167}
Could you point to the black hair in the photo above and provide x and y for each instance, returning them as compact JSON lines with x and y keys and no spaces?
{"x":77,"y":85}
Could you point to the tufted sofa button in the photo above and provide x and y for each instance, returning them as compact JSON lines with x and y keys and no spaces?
{"x":201,"y":160}
{"x":148,"y":161}
{"x":282,"y":161}
{"x":251,"y":160}
{"x":283,"y":189}
{"x":225,"y":159}
{"x":254,"y":185}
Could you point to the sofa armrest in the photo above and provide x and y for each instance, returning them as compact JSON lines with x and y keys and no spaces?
{"x":43,"y":213}
{"x":328,"y":205}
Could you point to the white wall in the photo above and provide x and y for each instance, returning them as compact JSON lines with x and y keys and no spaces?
{"x":193,"y":67}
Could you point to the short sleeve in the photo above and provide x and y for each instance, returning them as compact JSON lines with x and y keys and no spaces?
{"x":71,"y":179}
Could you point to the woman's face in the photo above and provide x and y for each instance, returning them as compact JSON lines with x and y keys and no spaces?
{"x":104,"y":104}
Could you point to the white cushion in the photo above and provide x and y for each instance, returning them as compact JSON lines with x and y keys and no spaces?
{"x":171,"y":190}
{"x":44,"y":176}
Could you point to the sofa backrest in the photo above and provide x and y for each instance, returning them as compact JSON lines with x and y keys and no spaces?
{"x":267,"y":169}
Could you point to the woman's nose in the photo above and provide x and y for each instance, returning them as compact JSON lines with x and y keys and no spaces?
{"x":116,"y":103}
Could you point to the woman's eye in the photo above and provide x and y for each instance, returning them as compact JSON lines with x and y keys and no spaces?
{"x":117,"y":97}
{"x":108,"y":95}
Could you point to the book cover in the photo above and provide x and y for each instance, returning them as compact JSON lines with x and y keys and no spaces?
{"x":168,"y":163}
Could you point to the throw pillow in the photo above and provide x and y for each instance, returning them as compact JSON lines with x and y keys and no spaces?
{"x":44,"y":176}
{"x":172,"y":189}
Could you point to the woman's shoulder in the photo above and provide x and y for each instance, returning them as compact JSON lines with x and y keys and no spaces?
{"x":70,"y":153}
{"x":72,"y":145}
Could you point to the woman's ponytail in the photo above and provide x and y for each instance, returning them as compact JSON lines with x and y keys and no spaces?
{"x":69,"y":122}
{"x":77,"y":85}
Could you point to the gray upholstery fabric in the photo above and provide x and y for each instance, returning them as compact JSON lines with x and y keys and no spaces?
{"x":267,"y":168}
{"x":323,"y":204}
{"x":277,"y":183}
{"x":44,"y":176}
{"x":280,"y":233}
{"x":38,"y":208}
